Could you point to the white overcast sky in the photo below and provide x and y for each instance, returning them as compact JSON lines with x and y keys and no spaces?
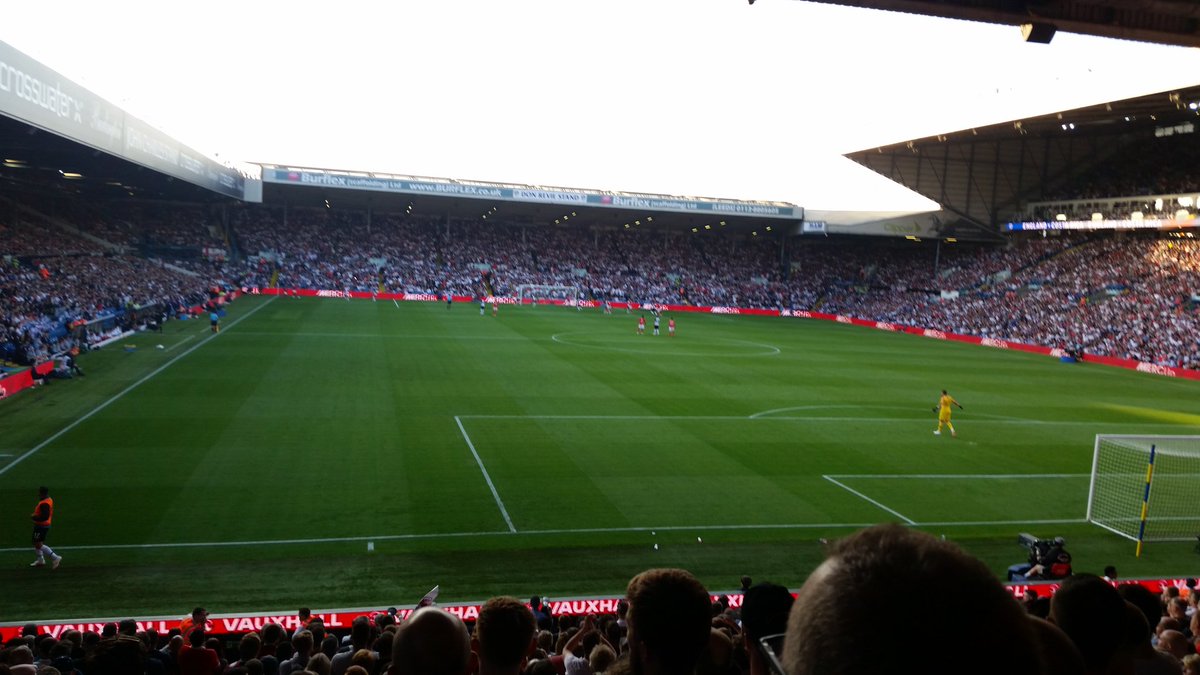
{"x":686,"y":97}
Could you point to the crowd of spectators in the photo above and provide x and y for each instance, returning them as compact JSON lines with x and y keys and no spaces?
{"x":1121,"y":296}
{"x":887,"y":599}
{"x":1128,"y":181}
{"x":52,"y":282}
{"x":155,"y":225}
{"x":1129,"y":295}
{"x":412,"y":254}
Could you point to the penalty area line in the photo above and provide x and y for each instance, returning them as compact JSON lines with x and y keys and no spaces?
{"x":486,"y":477}
{"x":860,"y":495}
{"x":829,"y":419}
{"x":969,"y":523}
{"x":959,"y":476}
{"x":126,"y":390}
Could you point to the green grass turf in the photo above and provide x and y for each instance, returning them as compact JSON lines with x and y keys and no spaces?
{"x":324,"y":424}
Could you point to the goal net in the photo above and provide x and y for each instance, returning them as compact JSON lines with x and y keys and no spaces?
{"x":1144,"y":488}
{"x":537,"y":294}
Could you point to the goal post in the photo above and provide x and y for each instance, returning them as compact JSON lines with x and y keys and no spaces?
{"x":537,"y":294}
{"x":1144,"y":488}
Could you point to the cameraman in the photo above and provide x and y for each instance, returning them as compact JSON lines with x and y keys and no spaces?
{"x":1047,"y":560}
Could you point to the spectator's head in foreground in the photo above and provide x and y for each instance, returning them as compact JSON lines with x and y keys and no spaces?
{"x":765,"y":611}
{"x":504,"y":636}
{"x":1096,"y":618}
{"x":669,"y":622}
{"x":432,"y":642}
{"x":833,"y":630}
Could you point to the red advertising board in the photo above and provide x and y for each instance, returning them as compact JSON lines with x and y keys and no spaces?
{"x":24,"y":379}
{"x":238,"y":624}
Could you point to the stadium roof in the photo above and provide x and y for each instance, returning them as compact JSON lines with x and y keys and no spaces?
{"x":984,"y":175}
{"x":520,"y":204}
{"x":1172,"y":22}
{"x":33,"y":160}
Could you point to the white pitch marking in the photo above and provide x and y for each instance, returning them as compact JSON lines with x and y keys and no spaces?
{"x":522,"y":533}
{"x":968,"y":523}
{"x":771,"y":413}
{"x":768,"y":413}
{"x":773,"y":350}
{"x":602,"y":417}
{"x":852,"y":491}
{"x":787,"y":418}
{"x":272,"y":542}
{"x":180,"y":342}
{"x":1048,"y":423}
{"x":126,"y":390}
{"x":959,"y":475}
{"x":381,"y":336}
{"x":486,"y":477}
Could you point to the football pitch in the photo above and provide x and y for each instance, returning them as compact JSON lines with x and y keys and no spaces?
{"x":334,"y":454}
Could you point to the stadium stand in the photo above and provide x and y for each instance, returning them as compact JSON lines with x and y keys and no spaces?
{"x":66,"y":291}
{"x":1126,"y":296}
{"x":1130,"y":180}
{"x":1121,"y":295}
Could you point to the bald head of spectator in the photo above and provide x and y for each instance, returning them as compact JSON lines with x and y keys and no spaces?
{"x":1175,"y":643}
{"x":669,"y":622}
{"x":834,"y":630}
{"x":432,"y":642}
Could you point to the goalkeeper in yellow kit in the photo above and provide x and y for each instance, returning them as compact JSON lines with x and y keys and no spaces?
{"x":943,"y":411}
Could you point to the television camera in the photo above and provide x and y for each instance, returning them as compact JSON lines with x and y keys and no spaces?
{"x":1039,"y":549}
